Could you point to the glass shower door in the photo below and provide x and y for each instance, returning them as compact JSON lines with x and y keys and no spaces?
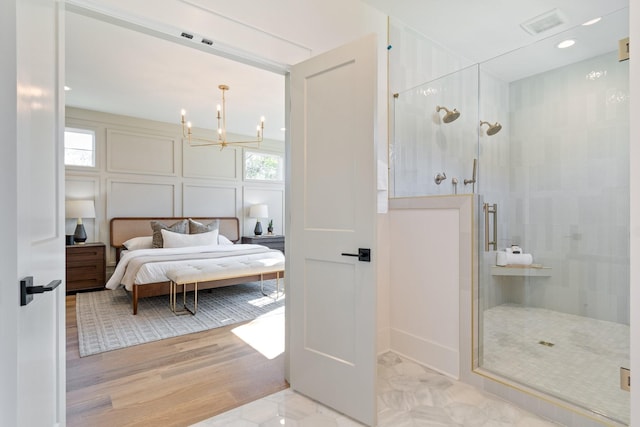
{"x":557,"y":319}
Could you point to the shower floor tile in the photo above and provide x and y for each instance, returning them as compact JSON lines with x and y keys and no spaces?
{"x":575,"y":358}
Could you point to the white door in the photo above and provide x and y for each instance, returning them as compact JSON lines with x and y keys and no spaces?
{"x":32,"y":349}
{"x":332,"y":295}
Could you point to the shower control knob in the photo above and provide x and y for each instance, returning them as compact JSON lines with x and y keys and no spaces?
{"x":440,"y":177}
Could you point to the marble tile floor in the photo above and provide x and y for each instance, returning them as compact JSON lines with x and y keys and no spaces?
{"x":408,"y":395}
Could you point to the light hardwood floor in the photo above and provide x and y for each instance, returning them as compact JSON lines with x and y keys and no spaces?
{"x":173,"y":382}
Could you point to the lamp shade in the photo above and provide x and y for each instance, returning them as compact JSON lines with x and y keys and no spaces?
{"x":80,"y":209}
{"x":259,"y":211}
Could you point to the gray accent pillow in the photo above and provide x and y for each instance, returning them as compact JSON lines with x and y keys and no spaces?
{"x":179,"y":227}
{"x":196,"y":227}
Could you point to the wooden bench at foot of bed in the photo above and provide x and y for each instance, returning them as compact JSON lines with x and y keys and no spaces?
{"x":164,"y":288}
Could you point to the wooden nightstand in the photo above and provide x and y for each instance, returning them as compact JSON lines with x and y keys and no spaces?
{"x":86,"y":265}
{"x":271,"y":241}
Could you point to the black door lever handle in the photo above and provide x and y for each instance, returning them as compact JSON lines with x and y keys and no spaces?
{"x":27,"y":290}
{"x":364,"y":254}
{"x":42,"y":289}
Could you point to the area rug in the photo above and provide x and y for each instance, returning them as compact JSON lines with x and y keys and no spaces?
{"x":105,"y":320}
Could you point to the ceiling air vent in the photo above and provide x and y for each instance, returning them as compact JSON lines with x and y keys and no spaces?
{"x":544,"y":22}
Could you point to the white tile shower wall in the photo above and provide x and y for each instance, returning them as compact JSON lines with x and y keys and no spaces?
{"x":424,"y":145}
{"x":426,"y":75}
{"x":569,"y":183}
{"x":493,"y":185}
{"x":414,"y":59}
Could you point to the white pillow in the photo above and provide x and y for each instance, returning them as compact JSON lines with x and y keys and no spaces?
{"x":145,"y":242}
{"x":222,"y":240}
{"x":179,"y":240}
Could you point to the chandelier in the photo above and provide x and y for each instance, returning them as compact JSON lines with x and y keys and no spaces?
{"x":221,"y":130}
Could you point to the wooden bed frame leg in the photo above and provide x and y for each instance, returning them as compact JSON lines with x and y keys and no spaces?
{"x":135,"y":299}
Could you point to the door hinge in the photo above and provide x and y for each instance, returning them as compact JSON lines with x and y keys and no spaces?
{"x":625,"y":379}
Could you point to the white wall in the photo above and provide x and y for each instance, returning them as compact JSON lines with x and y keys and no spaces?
{"x":143,"y":168}
{"x":9,"y":193}
{"x":430,"y":258}
{"x":279,"y":30}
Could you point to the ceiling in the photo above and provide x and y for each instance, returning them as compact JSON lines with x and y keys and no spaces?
{"x":118,"y":70}
{"x":121,"y":71}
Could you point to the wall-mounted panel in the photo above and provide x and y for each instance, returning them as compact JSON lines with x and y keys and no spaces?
{"x":145,"y":169}
{"x":130,"y":198}
{"x":139,"y":153}
{"x":273,"y":198}
{"x":84,"y":188}
{"x":429,"y":314}
{"x":209,"y":200}
{"x":210,"y":162}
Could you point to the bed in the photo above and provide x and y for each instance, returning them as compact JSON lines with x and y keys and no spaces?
{"x":142,"y":269}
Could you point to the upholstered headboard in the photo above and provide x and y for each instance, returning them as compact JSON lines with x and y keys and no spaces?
{"x":123,"y":229}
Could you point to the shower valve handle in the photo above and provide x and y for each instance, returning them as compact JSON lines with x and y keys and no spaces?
{"x":473,"y":179}
{"x":440,"y":177}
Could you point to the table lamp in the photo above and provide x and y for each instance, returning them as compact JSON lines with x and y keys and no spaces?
{"x":258,"y":211}
{"x":80,"y":209}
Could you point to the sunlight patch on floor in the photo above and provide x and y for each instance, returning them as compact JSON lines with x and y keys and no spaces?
{"x":265,"y":300}
{"x":265,"y":334}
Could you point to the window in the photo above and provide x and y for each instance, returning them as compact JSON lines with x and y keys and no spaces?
{"x":263,"y":166}
{"x":79,"y":147}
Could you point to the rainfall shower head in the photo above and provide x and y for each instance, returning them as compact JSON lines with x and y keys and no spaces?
{"x":493,"y":128}
{"x":450,"y":115}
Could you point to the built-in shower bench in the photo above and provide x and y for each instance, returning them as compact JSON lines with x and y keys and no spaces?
{"x":521,"y":271}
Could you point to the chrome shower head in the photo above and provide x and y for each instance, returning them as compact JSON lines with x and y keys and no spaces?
{"x":450,"y":115}
{"x":493,"y":128}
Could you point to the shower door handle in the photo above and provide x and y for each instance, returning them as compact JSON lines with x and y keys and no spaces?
{"x":493,"y":210}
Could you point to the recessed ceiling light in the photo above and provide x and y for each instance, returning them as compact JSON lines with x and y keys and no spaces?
{"x":67,"y":88}
{"x":565,"y":44}
{"x":592,"y":21}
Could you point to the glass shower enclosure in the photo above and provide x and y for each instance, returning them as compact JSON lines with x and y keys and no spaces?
{"x":545,"y":150}
{"x":434,"y":147}
{"x":557,"y":187}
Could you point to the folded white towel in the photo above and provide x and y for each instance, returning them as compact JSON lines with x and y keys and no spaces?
{"x":505,"y":258}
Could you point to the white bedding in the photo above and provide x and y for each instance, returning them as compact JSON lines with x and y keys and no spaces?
{"x":151,"y":265}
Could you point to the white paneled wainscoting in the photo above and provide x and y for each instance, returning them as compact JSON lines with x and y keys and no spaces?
{"x":144,"y":168}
